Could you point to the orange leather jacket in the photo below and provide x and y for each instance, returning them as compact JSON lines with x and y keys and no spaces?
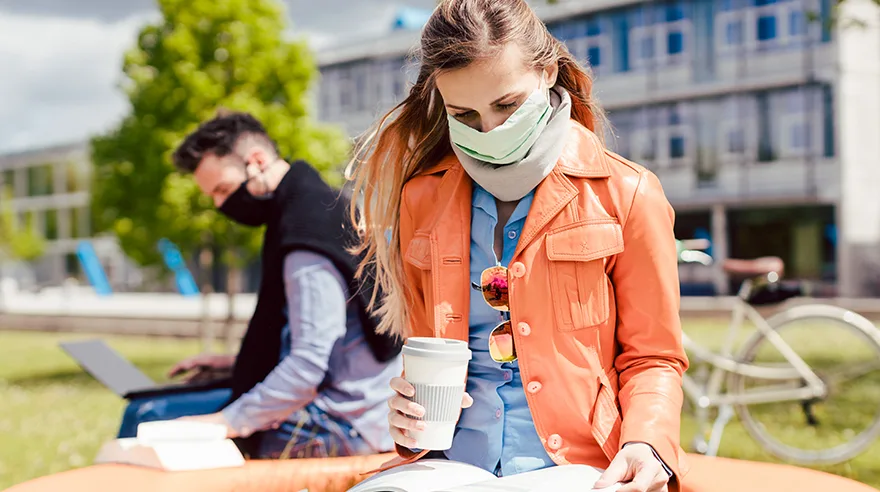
{"x":594,"y":298}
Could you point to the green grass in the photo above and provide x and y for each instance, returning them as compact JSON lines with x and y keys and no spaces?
{"x":53,"y":417}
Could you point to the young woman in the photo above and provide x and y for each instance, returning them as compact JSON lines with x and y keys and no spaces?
{"x":490,"y":181}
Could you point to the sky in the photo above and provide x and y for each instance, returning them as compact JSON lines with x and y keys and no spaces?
{"x":60,"y":60}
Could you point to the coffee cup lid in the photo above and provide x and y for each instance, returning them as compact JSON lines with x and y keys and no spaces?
{"x":437,"y":348}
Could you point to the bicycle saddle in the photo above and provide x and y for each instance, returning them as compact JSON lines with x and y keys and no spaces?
{"x":756,"y":267}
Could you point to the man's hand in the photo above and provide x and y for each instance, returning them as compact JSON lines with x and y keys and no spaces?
{"x":636,"y":465}
{"x":202,"y":363}
{"x":212,"y":418}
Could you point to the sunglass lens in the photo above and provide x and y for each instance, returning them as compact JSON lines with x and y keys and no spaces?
{"x":501,"y":346}
{"x":493,"y":283}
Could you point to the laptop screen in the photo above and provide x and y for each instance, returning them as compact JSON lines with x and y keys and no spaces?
{"x":107,"y":366}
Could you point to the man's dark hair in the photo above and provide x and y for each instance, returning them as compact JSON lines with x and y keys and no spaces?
{"x":219,"y":137}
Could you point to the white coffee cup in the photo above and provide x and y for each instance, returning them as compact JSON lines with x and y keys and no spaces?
{"x":437,"y":368}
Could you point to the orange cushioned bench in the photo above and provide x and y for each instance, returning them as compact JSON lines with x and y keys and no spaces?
{"x":338,"y":474}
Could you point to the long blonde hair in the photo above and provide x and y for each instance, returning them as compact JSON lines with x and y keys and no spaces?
{"x":414,"y":135}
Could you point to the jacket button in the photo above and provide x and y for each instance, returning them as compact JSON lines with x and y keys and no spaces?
{"x":534,"y":387}
{"x":524,"y":329}
{"x":518,"y":269}
{"x":554,"y":442}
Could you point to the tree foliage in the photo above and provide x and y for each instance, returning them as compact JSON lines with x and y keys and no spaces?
{"x":203,"y":55}
{"x":17,"y":241}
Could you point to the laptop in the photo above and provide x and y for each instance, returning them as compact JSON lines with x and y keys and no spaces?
{"x":122,"y":377}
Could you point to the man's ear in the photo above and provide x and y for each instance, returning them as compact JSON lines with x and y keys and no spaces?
{"x":260,"y":158}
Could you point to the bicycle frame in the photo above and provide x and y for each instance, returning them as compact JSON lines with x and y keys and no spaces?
{"x":791,"y":378}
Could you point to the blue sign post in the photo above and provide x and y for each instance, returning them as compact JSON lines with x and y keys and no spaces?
{"x":186,"y":284}
{"x":92,"y":267}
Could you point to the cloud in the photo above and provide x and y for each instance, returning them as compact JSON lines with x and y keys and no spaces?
{"x":60,"y":65}
{"x":59,"y":77}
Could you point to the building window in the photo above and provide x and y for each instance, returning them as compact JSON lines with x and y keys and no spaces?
{"x":799,"y":137}
{"x":734,"y":33}
{"x":677,"y":148}
{"x":40,"y":180}
{"x":736,"y":141}
{"x":644,"y":147}
{"x":766,"y":27}
{"x":662,"y":33}
{"x":589,"y":43}
{"x":594,"y":56}
{"x":51,"y":224}
{"x":79,"y":225}
{"x":797,"y":23}
{"x":675,"y":43}
{"x":646,"y":48}
{"x":9,"y":182}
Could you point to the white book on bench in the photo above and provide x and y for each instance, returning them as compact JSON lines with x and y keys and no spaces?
{"x":451,"y":476}
{"x":174,"y":446}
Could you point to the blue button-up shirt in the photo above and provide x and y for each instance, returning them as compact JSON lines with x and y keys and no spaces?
{"x":497,"y":433}
{"x":325,"y":359}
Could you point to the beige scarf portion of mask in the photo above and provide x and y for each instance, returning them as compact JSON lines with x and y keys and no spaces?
{"x":511,"y":182}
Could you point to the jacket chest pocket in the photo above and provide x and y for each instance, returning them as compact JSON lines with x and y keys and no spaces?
{"x":578,"y":283}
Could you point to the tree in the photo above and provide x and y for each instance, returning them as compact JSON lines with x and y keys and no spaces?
{"x":17,"y":241}
{"x":203,"y":55}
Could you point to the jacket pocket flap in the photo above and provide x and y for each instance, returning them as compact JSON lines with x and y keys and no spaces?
{"x":585,"y":241}
{"x":418,"y":253}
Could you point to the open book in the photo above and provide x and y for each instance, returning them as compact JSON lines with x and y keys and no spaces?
{"x":174,"y":446}
{"x":451,"y":476}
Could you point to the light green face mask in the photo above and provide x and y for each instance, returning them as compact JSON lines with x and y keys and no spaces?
{"x":509,"y":142}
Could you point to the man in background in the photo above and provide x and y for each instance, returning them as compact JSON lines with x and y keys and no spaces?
{"x":311,"y":378}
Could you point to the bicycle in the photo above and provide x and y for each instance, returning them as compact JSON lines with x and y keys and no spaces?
{"x":788,"y":385}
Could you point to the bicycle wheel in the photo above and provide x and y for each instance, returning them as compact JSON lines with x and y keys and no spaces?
{"x":826,"y":430}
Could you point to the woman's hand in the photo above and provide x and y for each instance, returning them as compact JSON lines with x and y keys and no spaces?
{"x":637,"y":465}
{"x":403,"y":410}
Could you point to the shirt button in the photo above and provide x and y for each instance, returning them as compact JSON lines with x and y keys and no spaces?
{"x":524,"y":329}
{"x":511,"y":235}
{"x":554,"y":442}
{"x":498,"y":413}
{"x":534,"y":387}
{"x":507,"y":376}
{"x":518,"y":269}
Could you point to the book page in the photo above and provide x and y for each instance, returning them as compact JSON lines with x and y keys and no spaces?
{"x":553,"y":479}
{"x":424,"y":476}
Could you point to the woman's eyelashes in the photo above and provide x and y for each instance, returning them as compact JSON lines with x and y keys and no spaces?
{"x":470,"y":115}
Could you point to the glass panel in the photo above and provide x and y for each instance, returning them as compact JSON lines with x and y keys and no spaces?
{"x":9,"y":181}
{"x":646,"y":48}
{"x":594,"y":56}
{"x":675,"y":42}
{"x":734,"y":33}
{"x":736,"y":142}
{"x":39,"y":180}
{"x":800,"y":136}
{"x":676,"y":147}
{"x":797,"y":23}
{"x":51,"y":226}
{"x":766,"y":27}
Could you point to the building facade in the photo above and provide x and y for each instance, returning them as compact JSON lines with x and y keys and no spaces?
{"x":49,"y":188}
{"x":760,"y":117}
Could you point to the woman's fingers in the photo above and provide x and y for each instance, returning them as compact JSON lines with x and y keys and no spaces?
{"x":402,"y":439}
{"x":406,"y":407}
{"x":402,"y":387}
{"x":466,"y":400}
{"x":401,"y":421}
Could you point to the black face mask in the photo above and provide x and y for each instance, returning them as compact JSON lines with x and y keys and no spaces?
{"x":246,"y":209}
